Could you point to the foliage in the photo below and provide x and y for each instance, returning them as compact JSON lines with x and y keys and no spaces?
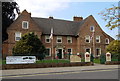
{"x":114,"y":47}
{"x":8,"y":16}
{"x":92,"y":58}
{"x":112,"y":16}
{"x":102,"y":58}
{"x":29,"y":44}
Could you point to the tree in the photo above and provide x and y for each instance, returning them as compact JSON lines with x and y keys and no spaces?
{"x":29,"y":44}
{"x":114,"y":47}
{"x":8,"y":16}
{"x":112,"y":16}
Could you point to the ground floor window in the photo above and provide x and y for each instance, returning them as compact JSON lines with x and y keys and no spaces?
{"x":88,"y":50}
{"x":48,"y":51}
{"x":69,"y":50}
{"x":98,"y":51}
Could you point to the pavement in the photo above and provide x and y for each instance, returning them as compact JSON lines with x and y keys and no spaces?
{"x":57,"y":69}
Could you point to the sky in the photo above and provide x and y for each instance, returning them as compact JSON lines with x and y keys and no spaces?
{"x":67,"y":9}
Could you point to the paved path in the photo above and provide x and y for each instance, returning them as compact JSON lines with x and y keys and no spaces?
{"x":57,"y":69}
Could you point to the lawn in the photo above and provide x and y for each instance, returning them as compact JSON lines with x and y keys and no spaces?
{"x":97,"y":61}
{"x":53,"y":61}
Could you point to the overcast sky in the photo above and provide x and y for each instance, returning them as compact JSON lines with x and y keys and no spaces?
{"x":66,"y":9}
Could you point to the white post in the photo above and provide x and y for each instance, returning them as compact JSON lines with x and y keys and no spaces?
{"x":87,"y":57}
{"x":108,"y":56}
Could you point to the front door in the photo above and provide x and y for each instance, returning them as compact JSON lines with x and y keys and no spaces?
{"x":59,"y":53}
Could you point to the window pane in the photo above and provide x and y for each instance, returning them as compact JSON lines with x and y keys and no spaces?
{"x":59,"y":40}
{"x":87,"y":39}
{"x":25,"y":24}
{"x":47,"y":52}
{"x":17,"y":38}
{"x":88,"y":50}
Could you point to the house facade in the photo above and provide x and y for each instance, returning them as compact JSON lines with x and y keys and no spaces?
{"x":69,"y":37}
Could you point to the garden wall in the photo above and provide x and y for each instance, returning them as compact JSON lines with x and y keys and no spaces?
{"x":44,"y":65}
{"x":112,"y":63}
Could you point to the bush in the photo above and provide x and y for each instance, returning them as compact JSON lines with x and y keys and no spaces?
{"x":102,"y":58}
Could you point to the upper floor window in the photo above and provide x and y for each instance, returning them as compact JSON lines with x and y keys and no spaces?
{"x":92,"y":28}
{"x":17,"y":36}
{"x":25,"y":24}
{"x":69,"y":39}
{"x":59,"y":39}
{"x":107,"y":41}
{"x":47,"y":39}
{"x":97,"y":39}
{"x":87,"y":38}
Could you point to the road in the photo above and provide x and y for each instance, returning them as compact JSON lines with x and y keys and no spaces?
{"x":79,"y":74}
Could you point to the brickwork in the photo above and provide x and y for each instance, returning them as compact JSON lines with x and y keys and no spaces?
{"x":78,"y":44}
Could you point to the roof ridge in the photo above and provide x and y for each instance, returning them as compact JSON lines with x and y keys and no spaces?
{"x":57,"y":19}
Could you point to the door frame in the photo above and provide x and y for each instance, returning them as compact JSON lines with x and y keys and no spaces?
{"x":57,"y":52}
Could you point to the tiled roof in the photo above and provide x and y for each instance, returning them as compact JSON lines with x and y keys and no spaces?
{"x":60,"y":27}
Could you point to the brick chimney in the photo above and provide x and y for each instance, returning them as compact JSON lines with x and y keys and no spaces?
{"x":50,"y":17}
{"x":75,"y":18}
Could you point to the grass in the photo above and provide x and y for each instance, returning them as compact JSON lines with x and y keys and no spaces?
{"x":97,"y":61}
{"x":53,"y":61}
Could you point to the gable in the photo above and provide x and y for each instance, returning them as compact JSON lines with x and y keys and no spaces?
{"x":90,"y":21}
{"x":24,"y":16}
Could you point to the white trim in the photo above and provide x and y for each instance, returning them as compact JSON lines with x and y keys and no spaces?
{"x":108,"y":41}
{"x":47,"y":37}
{"x":87,"y":38}
{"x":62,"y":52}
{"x":16,"y":35}
{"x":99,"y":49}
{"x":59,"y":37}
{"x":98,"y":39}
{"x":88,"y":48}
{"x":93,"y":28}
{"x":23,"y":24}
{"x":49,"y":51}
{"x":71,"y":50}
{"x":69,"y":38}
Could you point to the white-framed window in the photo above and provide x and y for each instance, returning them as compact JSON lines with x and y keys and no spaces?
{"x":92,"y":28}
{"x":47,"y":39}
{"x":69,"y":39}
{"x":48,"y":51}
{"x":98,"y":51}
{"x":107,"y":41}
{"x":17,"y":36}
{"x":69,"y":50}
{"x":88,"y":50}
{"x":25,"y":24}
{"x":87,"y":39}
{"x":97,"y":39}
{"x":59,"y":39}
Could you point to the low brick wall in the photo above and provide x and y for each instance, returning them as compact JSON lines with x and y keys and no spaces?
{"x":44,"y":65}
{"x":112,"y":63}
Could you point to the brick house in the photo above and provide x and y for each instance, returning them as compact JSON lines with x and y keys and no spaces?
{"x":68,"y":36}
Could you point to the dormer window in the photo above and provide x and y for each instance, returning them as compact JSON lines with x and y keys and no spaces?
{"x":92,"y":29}
{"x":25,"y":24}
{"x":107,"y":41}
